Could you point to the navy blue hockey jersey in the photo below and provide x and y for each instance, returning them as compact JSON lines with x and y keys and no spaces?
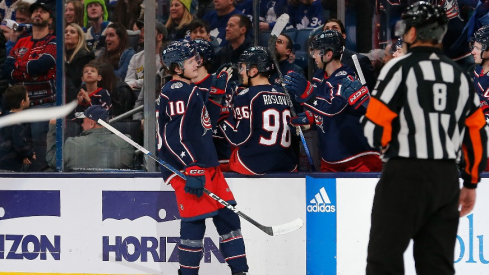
{"x":340,"y":133}
{"x":184,"y":128}
{"x":222,"y":146}
{"x":260,"y":131}
{"x":481,"y":84}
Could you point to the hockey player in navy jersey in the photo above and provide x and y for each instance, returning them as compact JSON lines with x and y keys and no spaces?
{"x":480,"y":52}
{"x":215,"y":104}
{"x":184,"y":135}
{"x":343,"y":147}
{"x":259,"y":125}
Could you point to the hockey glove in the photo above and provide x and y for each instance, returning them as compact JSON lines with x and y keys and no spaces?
{"x":354,"y":92}
{"x":220,"y":82}
{"x":302,"y":119}
{"x":297,"y":85}
{"x":195,"y":179}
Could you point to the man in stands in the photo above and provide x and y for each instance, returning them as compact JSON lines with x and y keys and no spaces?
{"x":367,"y":69}
{"x":219,"y":18}
{"x":284,"y":47}
{"x":95,"y":148}
{"x":96,"y":13}
{"x":237,"y":29}
{"x":32,"y":63}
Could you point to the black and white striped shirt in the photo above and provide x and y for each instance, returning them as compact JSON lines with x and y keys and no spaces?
{"x":424,"y":107}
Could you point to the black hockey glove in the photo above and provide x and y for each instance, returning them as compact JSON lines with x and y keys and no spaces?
{"x":299,"y":86}
{"x":195,"y":179}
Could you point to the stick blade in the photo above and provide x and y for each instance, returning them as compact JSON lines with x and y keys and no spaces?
{"x":287,"y":228}
{"x":38,"y":114}
{"x":280,"y":24}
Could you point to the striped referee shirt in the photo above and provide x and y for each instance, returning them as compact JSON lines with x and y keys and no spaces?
{"x":425,"y":107}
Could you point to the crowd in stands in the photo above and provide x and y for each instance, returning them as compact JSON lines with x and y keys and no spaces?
{"x":104,"y":66}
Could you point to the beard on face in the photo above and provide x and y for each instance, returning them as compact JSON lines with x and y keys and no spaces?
{"x":40,"y":23}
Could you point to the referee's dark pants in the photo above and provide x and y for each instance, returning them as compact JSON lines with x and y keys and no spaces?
{"x":415,"y":199}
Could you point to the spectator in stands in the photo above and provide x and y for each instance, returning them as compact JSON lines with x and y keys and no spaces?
{"x":22,"y":12}
{"x":122,"y":96}
{"x":96,"y":13}
{"x":305,"y":13}
{"x":3,"y":81}
{"x":7,"y":27}
{"x":95,"y":148}
{"x":398,"y":49}
{"x":180,"y":18}
{"x":15,"y":141}
{"x":284,"y":46}
{"x":218,"y":19}
{"x":388,"y":51}
{"x":116,"y":51}
{"x":237,"y":38}
{"x":245,"y":7}
{"x":139,"y":26}
{"x":270,"y":10}
{"x":32,"y":63}
{"x":200,"y":29}
{"x":135,"y":70}
{"x":77,"y":56}
{"x":92,"y":94}
{"x":74,"y":12}
{"x":127,"y":13}
{"x":8,"y":8}
{"x":367,"y":69}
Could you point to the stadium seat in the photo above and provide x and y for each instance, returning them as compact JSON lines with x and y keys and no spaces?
{"x":132,"y":40}
{"x":292,"y":33}
{"x":301,"y":59}
{"x":302,"y":39}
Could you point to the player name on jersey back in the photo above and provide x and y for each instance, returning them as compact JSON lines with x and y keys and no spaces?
{"x":275,"y":99}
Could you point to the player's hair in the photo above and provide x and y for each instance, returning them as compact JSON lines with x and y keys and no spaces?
{"x":81,"y":41}
{"x":244,"y":21}
{"x":95,"y":64}
{"x":14,"y":96}
{"x":337,"y":21}
{"x":78,"y":7}
{"x":197,"y":23}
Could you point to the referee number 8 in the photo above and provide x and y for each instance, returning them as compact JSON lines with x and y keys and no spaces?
{"x":440,"y":96}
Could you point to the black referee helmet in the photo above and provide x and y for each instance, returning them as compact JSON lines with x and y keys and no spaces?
{"x":430,"y":21}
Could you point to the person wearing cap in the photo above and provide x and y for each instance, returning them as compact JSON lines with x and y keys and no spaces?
{"x":96,"y":12}
{"x":32,"y":63}
{"x":8,"y":8}
{"x":180,"y":17}
{"x":135,"y":70}
{"x":95,"y":148}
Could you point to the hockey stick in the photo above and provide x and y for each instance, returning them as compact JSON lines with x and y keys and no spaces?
{"x":277,"y":30}
{"x":359,"y":69}
{"x":270,"y":230}
{"x":38,"y":114}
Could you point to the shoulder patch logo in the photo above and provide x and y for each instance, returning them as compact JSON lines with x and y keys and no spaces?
{"x":176,"y":85}
{"x":341,"y":73}
{"x":243,"y":92}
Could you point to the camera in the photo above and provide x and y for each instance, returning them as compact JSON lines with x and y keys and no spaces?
{"x":22,"y":27}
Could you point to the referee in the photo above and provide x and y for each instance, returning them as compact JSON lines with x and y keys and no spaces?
{"x":423,"y":114}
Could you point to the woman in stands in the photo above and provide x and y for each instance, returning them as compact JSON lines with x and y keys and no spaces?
{"x":74,"y":12}
{"x":77,"y":55}
{"x":117,"y":53}
{"x":180,"y":18}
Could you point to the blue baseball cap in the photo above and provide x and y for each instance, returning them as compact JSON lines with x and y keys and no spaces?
{"x":95,"y":113}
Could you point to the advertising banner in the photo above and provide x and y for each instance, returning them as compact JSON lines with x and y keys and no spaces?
{"x":132,"y":225}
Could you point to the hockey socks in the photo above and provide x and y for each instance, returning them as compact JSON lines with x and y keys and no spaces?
{"x":190,"y":253}
{"x":233,"y":249}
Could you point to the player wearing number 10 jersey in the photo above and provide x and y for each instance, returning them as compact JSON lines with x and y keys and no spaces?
{"x":259,"y":126}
